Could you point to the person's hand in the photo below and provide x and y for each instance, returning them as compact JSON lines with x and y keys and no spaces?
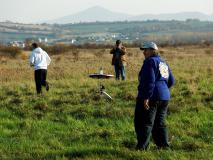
{"x":146,"y":104}
{"x":120,"y":46}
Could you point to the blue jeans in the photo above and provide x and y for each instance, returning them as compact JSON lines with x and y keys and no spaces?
{"x":120,"y":70}
{"x":151,"y":122}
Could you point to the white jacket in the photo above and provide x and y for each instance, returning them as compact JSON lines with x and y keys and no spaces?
{"x":39,"y":59}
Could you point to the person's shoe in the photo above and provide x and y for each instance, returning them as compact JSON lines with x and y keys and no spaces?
{"x":139,"y":148}
{"x":47,"y":87}
{"x":164,"y":148}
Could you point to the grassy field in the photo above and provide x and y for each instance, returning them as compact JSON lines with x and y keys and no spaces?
{"x":72,"y":121}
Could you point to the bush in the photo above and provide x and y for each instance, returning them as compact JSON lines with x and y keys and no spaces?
{"x":56,"y":49}
{"x":10,"y":51}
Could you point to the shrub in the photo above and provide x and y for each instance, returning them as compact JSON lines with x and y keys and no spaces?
{"x":56,"y":49}
{"x":10,"y":51}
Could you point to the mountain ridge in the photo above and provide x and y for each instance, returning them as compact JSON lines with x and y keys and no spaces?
{"x":92,"y":14}
{"x":102,"y":14}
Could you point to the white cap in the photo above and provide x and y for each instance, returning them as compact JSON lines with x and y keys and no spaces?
{"x":146,"y":45}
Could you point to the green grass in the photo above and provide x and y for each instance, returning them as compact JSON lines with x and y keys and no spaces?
{"x":72,"y":121}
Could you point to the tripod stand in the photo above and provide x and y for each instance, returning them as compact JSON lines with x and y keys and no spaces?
{"x":103,"y":92}
{"x":102,"y":88}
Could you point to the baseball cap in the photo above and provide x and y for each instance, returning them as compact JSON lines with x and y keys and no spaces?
{"x":146,"y":45}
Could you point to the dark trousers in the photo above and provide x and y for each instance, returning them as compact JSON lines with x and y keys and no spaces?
{"x":120,"y":70}
{"x":40,"y":79}
{"x":151,"y":122}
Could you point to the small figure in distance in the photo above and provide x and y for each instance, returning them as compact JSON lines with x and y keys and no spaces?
{"x":155,"y":79}
{"x":119,"y":60}
{"x":40,"y":60}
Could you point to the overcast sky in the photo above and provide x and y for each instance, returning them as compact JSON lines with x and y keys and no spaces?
{"x":29,"y":11}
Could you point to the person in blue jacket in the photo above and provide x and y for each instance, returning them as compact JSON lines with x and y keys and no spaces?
{"x":155,"y":79}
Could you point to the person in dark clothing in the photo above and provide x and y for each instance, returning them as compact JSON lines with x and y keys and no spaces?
{"x":155,"y":79}
{"x":40,"y":60}
{"x":119,"y":60}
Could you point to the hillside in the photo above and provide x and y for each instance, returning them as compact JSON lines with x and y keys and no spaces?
{"x":173,"y":32}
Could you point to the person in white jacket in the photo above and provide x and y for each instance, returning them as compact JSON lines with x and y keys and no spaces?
{"x":40,"y":60}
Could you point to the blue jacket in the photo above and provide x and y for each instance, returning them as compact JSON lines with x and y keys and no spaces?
{"x":155,"y":79}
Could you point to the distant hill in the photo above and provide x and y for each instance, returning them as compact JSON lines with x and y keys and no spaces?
{"x":101,"y":14}
{"x":182,"y":16}
{"x":92,"y":15}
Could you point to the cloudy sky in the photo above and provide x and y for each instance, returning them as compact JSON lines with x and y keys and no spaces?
{"x":29,"y":11}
